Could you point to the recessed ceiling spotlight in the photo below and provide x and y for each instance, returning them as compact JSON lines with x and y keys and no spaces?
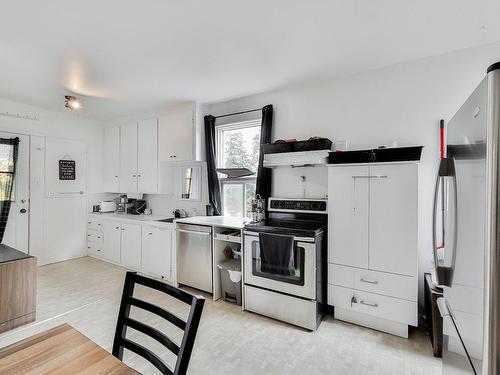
{"x":72,"y":102}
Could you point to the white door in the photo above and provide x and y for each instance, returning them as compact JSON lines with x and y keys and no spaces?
{"x":393,"y":218}
{"x":112,"y":235}
{"x":176,"y":136}
{"x":16,"y":233}
{"x":348,"y":216}
{"x":157,"y":251}
{"x":147,"y":156}
{"x":128,"y":158}
{"x":111,"y":177}
{"x":131,"y":246}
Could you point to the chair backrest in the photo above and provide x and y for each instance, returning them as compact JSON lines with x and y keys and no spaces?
{"x":190,"y":327}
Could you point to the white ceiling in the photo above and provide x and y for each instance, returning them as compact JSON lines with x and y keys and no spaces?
{"x":134,"y":56}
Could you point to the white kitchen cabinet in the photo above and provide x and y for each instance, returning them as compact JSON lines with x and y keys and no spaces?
{"x":128,"y":158}
{"x":348,"y":215}
{"x":147,"y":156}
{"x":372,"y":244}
{"x":111,"y":178}
{"x":393,"y":218}
{"x":112,"y":240}
{"x":176,"y":136}
{"x":157,"y":251}
{"x":131,"y":245}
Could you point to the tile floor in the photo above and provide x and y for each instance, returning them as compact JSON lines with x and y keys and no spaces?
{"x":86,"y":292}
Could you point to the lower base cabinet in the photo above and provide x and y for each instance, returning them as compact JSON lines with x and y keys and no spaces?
{"x":140,"y":247}
{"x":131,"y":246}
{"x":157,"y":251}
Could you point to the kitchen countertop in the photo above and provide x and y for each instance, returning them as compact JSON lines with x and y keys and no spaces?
{"x":8,"y":254}
{"x":152,"y":219}
{"x":215,"y":221}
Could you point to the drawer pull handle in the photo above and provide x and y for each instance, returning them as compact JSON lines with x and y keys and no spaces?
{"x":371,"y":304}
{"x":363,"y":280}
{"x":353,"y":300}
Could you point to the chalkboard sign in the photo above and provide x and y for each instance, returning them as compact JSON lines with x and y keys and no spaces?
{"x":67,"y":170}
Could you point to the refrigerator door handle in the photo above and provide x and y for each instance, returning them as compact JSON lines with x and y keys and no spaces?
{"x":444,"y":274}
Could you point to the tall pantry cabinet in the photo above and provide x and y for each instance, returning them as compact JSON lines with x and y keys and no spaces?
{"x":372,"y":249}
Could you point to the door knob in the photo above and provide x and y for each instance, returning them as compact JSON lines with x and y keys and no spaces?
{"x":22,"y":210}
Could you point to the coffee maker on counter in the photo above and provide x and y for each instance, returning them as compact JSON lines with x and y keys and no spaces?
{"x":258,"y":209}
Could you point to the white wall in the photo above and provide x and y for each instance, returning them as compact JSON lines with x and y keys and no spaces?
{"x":57,"y":225}
{"x":402,"y":103}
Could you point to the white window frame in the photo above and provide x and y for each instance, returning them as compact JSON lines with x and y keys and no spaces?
{"x":219,"y":140}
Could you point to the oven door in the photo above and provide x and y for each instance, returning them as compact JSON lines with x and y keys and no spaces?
{"x":301,"y":282}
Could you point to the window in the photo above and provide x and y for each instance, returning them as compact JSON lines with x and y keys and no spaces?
{"x":238,"y":146}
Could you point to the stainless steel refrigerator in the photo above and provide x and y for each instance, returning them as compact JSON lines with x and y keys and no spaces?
{"x":466,"y":233}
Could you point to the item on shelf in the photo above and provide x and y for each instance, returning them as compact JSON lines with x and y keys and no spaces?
{"x":95,"y":208}
{"x":376,"y":155}
{"x":148,"y":211}
{"x":292,"y":145}
{"x":228,"y":252}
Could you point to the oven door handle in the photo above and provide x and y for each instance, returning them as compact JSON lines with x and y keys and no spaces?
{"x":296,"y":239}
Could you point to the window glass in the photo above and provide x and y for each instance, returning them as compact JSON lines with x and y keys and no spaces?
{"x":232,"y":199}
{"x":238,"y":146}
{"x":241,"y":148}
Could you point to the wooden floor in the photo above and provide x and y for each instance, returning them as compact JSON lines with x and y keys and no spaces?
{"x":85,"y":293}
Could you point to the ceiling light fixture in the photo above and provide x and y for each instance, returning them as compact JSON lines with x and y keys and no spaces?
{"x":72,"y":102}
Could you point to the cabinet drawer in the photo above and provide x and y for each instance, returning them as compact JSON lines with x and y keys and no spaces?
{"x":95,"y":224}
{"x":95,"y":236}
{"x":398,"y":286}
{"x":341,"y":275}
{"x":404,"y":287}
{"x":95,"y":249}
{"x":389,"y":308}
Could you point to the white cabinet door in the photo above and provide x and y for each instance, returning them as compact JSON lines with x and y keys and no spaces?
{"x":157,"y":251}
{"x":147,"y":157}
{"x":393,"y":218}
{"x":111,"y":244}
{"x":128,"y":158}
{"x":176,"y":136}
{"x":131,"y":246}
{"x":348,"y":215}
{"x":111,"y":177}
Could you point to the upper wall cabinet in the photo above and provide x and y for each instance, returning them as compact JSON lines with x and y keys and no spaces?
{"x":111,"y":178}
{"x":147,"y":156}
{"x":128,"y":158}
{"x":176,"y":136}
{"x":131,"y":158}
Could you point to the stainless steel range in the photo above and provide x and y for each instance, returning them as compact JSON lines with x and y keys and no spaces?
{"x":285,"y":262}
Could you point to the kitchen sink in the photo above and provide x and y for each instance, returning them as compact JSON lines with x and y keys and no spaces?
{"x":169,"y":220}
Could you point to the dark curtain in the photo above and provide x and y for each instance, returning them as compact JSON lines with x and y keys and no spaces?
{"x":8,"y":160}
{"x":263,"y":184}
{"x":213,"y":178}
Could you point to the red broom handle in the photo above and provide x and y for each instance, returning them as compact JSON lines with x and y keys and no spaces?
{"x":441,"y":136}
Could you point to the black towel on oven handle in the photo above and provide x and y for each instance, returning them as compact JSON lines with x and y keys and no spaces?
{"x":276,"y":254}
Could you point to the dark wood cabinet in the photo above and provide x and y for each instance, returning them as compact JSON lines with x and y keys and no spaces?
{"x":17,"y":288}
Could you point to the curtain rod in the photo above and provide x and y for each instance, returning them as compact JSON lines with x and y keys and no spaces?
{"x":239,"y":113}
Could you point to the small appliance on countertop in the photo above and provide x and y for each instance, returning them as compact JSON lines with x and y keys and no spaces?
{"x":258,"y":209}
{"x":285,"y":262}
{"x":136,"y":206}
{"x":107,"y":206}
{"x":121,"y":203}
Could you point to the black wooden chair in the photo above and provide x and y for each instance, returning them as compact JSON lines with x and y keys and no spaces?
{"x":190,"y":327}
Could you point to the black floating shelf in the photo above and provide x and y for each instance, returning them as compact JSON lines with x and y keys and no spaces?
{"x":376,"y":155}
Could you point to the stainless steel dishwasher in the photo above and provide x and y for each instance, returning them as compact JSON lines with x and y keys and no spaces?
{"x":194,"y":256}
